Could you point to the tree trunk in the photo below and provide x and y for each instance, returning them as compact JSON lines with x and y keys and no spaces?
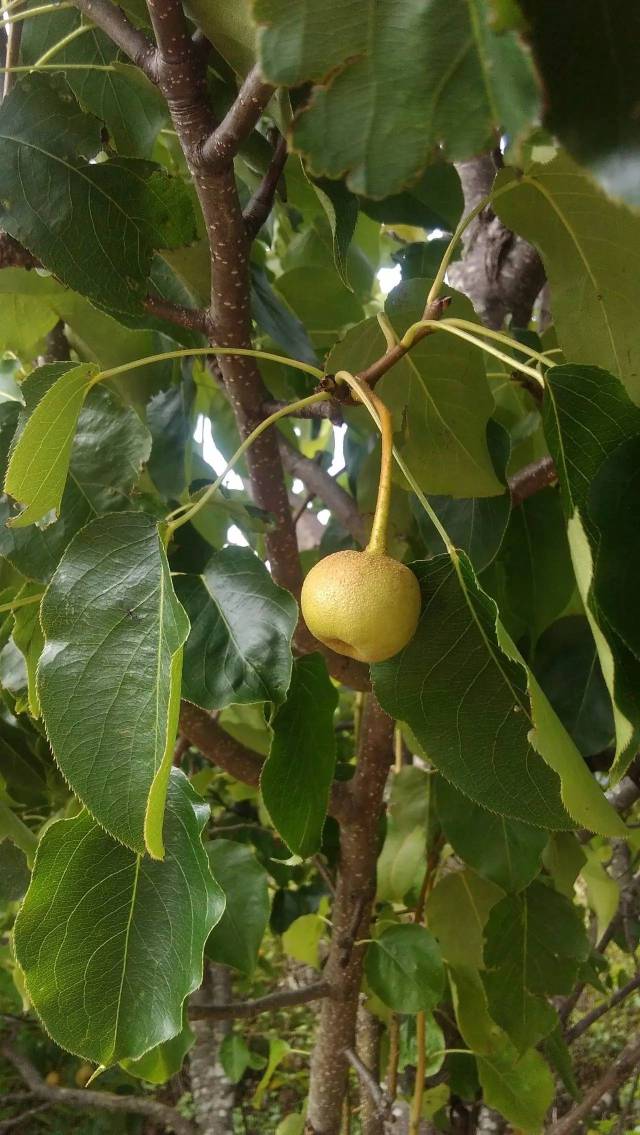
{"x":213,"y":1094}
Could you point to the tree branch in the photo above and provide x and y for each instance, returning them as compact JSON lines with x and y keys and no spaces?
{"x":329,"y":409}
{"x":532,"y":479}
{"x":83,"y":1098}
{"x":367,"y":1079}
{"x":318,"y":481}
{"x":261,"y":203}
{"x":619,"y":1071}
{"x":589,"y":1019}
{"x":112,"y":20}
{"x":15,"y":255}
{"x":193,"y":318}
{"x":223,"y":144}
{"x":280,"y":999}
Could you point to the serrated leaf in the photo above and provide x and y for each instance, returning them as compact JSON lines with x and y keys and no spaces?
{"x":520,"y":1087}
{"x":457,"y":910}
{"x":356,"y":56}
{"x":297,"y":774}
{"x":236,"y":939}
{"x":109,"y":676}
{"x":39,"y":463}
{"x":592,"y":428}
{"x":239,"y":646}
{"x":505,"y":851}
{"x":461,"y":687}
{"x":82,"y":935}
{"x":595,"y":295}
{"x":404,"y":968}
{"x":438,"y":394}
{"x":45,"y":142}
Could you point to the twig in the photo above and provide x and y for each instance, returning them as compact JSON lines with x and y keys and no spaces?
{"x":18,"y":1120}
{"x":374,"y":373}
{"x":14,"y":37}
{"x":329,"y":410}
{"x":381,"y":1100}
{"x":421,"y":1069}
{"x":394,"y":1056}
{"x":302,"y":508}
{"x":83,"y":1098}
{"x":589,"y":1019}
{"x":261,"y":203}
{"x":280,"y":999}
{"x":193,"y":318}
{"x":317,"y":480}
{"x":619,"y":1071}
{"x":323,"y":872}
{"x":225,"y":141}
{"x":111,"y":19}
{"x":532,"y":479}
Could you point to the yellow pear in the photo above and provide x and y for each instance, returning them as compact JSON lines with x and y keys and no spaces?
{"x":362,"y":604}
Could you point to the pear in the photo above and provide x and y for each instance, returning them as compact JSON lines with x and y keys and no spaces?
{"x":362,"y":604}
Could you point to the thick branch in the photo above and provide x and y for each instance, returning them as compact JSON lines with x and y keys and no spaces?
{"x":280,"y":999}
{"x":83,"y":1098}
{"x":318,"y":481}
{"x":589,"y":1019}
{"x":239,"y":121}
{"x":620,"y":1070}
{"x":111,"y":19}
{"x":532,"y":479}
{"x":261,"y":203}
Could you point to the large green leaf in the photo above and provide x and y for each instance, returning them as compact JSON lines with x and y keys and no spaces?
{"x":505,"y":851}
{"x":566,"y":665}
{"x":457,"y":911}
{"x":534,"y":943}
{"x":39,"y":463}
{"x":520,"y":1087}
{"x":607,"y":139}
{"x":596,"y":292}
{"x":404,"y":968}
{"x":438,"y":393}
{"x":236,"y":939}
{"x":592,"y":429}
{"x":461,"y":686}
{"x":110,"y":943}
{"x":371,"y":90}
{"x":159,"y":1064}
{"x":297,"y":775}
{"x":49,"y":186}
{"x":239,"y":645}
{"x":109,"y":676}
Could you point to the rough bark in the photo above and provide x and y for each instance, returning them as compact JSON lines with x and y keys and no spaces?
{"x":369,"y":1031}
{"x":213,"y":1094}
{"x":351,"y":916}
{"x":500,"y":272}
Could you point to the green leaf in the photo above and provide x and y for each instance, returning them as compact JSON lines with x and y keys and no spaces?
{"x":278,"y":1049}
{"x":239,"y":645}
{"x":341,"y":209}
{"x":320,"y":301}
{"x":566,"y":665}
{"x":278,"y":321}
{"x":24,"y":320}
{"x":159,"y":1064}
{"x":505,"y":851}
{"x":359,"y":59}
{"x":401,"y":863}
{"x":434,"y":202}
{"x":563,"y":858}
{"x":109,"y":676}
{"x":477,"y":1029}
{"x":14,"y":871}
{"x":235,"y":941}
{"x":603,"y":892}
{"x":591,"y":428}
{"x":235,"y":1057}
{"x":558,"y":1053}
{"x":231,"y":28}
{"x":595,"y":297}
{"x":520,"y":1088}
{"x":82,"y":936}
{"x":302,"y":938}
{"x":438,"y":394}
{"x":404,"y":968}
{"x":28,"y":637}
{"x":39,"y":463}
{"x":607,"y":140}
{"x":461,"y":687}
{"x":44,"y":141}
{"x":457,"y":911}
{"x":297,"y":775}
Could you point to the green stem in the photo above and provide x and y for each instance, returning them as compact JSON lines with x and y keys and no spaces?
{"x":190,"y":510}
{"x":499,"y":337}
{"x":18,"y":832}
{"x":191,"y":352}
{"x":447,"y":325}
{"x":379,"y":412}
{"x":21,"y":602}
{"x":41,"y":10}
{"x":58,"y":67}
{"x":453,"y":243}
{"x":62,"y":43}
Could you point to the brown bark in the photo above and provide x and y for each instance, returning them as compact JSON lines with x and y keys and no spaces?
{"x":213,"y":1094}
{"x":351,"y":916}
{"x":374,"y":1106}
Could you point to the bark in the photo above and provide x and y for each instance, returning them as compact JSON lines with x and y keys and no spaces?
{"x":369,"y":1030}
{"x":355,"y":891}
{"x":624,"y":1065}
{"x":213,"y":1094}
{"x":500,"y":272}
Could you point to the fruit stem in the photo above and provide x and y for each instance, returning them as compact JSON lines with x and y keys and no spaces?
{"x":377,"y":545}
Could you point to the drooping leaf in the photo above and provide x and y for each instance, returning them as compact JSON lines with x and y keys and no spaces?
{"x":278,"y":321}
{"x":159,"y":1064}
{"x":109,"y":676}
{"x":29,"y":778}
{"x":236,"y":1057}
{"x":558,"y":1054}
{"x":457,"y":910}
{"x":469,"y":996}
{"x":39,"y":462}
{"x":110,"y":446}
{"x":566,"y":665}
{"x":357,"y":59}
{"x":236,"y":939}
{"x":505,"y":851}
{"x":592,"y":429}
{"x":401,"y":863}
{"x":297,"y":775}
{"x":520,"y":1087}
{"x":239,"y":645}
{"x":14,"y":871}
{"x":46,"y":144}
{"x":341,"y":209}
{"x":84,"y":933}
{"x":461,"y":686}
{"x":28,"y":637}
{"x":435,"y":201}
{"x":438,"y":394}
{"x":404,"y":968}
{"x":595,"y":296}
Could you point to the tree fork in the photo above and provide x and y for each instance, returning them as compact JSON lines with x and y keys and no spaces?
{"x":351,"y":916}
